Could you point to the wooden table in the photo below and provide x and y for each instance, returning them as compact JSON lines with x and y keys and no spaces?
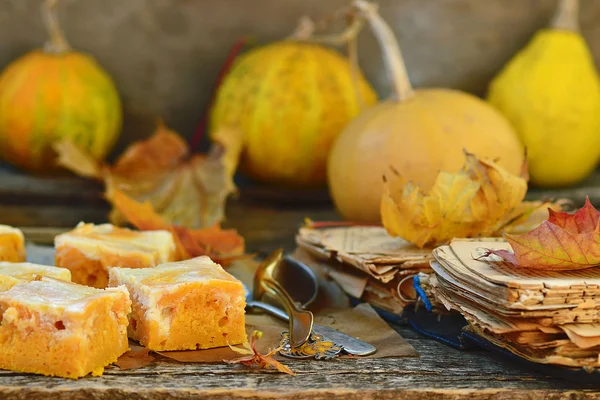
{"x":441,"y":372}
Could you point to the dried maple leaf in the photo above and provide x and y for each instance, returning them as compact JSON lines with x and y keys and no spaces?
{"x":481,"y":199}
{"x":186,"y":190}
{"x":252,"y":358}
{"x":563,"y":242}
{"x":221,"y":245}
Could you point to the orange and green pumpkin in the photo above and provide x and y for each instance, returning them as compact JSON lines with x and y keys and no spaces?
{"x":53,"y":94}
{"x":290,"y":99}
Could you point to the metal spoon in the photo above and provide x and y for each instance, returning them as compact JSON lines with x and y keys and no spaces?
{"x":296,"y":278}
{"x":301,"y":321}
{"x":301,"y":284}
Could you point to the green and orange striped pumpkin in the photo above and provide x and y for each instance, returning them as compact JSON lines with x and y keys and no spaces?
{"x":291,"y":99}
{"x":52,"y":94}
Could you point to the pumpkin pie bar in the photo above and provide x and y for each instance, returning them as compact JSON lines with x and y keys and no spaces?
{"x":58,"y":328}
{"x":13,"y":273}
{"x":12,"y":244}
{"x":89,"y":251}
{"x":192,"y":304}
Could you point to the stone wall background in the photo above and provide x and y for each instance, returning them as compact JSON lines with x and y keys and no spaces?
{"x":165,"y":54}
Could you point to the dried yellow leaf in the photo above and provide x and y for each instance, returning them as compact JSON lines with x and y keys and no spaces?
{"x":479,"y":200}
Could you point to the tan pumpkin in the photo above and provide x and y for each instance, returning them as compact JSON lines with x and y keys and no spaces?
{"x":417,"y":132}
{"x":291,"y":99}
{"x":56,"y":93}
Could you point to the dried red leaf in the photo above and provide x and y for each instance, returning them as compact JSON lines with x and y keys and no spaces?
{"x":584,"y":220}
{"x":563,"y":242}
{"x":252,"y":358}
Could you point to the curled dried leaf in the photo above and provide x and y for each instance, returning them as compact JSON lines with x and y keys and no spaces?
{"x":252,"y":358}
{"x":563,"y":242}
{"x":136,"y":357}
{"x":73,"y":158}
{"x":185,"y":190}
{"x":482,"y":199}
{"x":221,"y":245}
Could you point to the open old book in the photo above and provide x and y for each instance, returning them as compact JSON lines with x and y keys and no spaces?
{"x":544,"y":316}
{"x":367,"y":263}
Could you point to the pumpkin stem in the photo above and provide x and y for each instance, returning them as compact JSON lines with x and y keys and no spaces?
{"x":566,"y":16}
{"x":305,"y":32}
{"x":402,"y":88}
{"x":57,"y":43}
{"x":354,"y":70}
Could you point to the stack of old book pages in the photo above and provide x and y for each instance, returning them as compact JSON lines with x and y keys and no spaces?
{"x":547,"y":317}
{"x":368,"y":263}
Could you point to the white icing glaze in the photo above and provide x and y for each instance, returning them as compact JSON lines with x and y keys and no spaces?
{"x":199,"y":269}
{"x":57,"y":295}
{"x":28,"y":271}
{"x":95,"y":240}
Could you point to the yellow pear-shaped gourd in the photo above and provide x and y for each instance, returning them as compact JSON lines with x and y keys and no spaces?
{"x":417,"y":132}
{"x":550,"y":91}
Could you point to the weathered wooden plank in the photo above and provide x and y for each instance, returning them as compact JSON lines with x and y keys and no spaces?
{"x":46,"y":215}
{"x":21,"y":186}
{"x":440,"y":373}
{"x":90,"y":393}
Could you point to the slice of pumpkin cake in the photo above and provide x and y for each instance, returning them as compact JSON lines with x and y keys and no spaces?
{"x":89,"y":251}
{"x":12,"y":244}
{"x":192,"y":304}
{"x":58,"y":328}
{"x":13,"y":273}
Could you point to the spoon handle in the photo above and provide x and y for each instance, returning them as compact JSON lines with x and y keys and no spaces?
{"x":350,"y":344}
{"x":300,"y":321}
{"x":275,"y":311}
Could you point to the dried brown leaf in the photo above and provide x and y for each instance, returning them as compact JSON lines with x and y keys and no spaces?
{"x":73,"y":158}
{"x":185,"y":190}
{"x":257,"y":360}
{"x":136,"y":357}
{"x":222,"y":246}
